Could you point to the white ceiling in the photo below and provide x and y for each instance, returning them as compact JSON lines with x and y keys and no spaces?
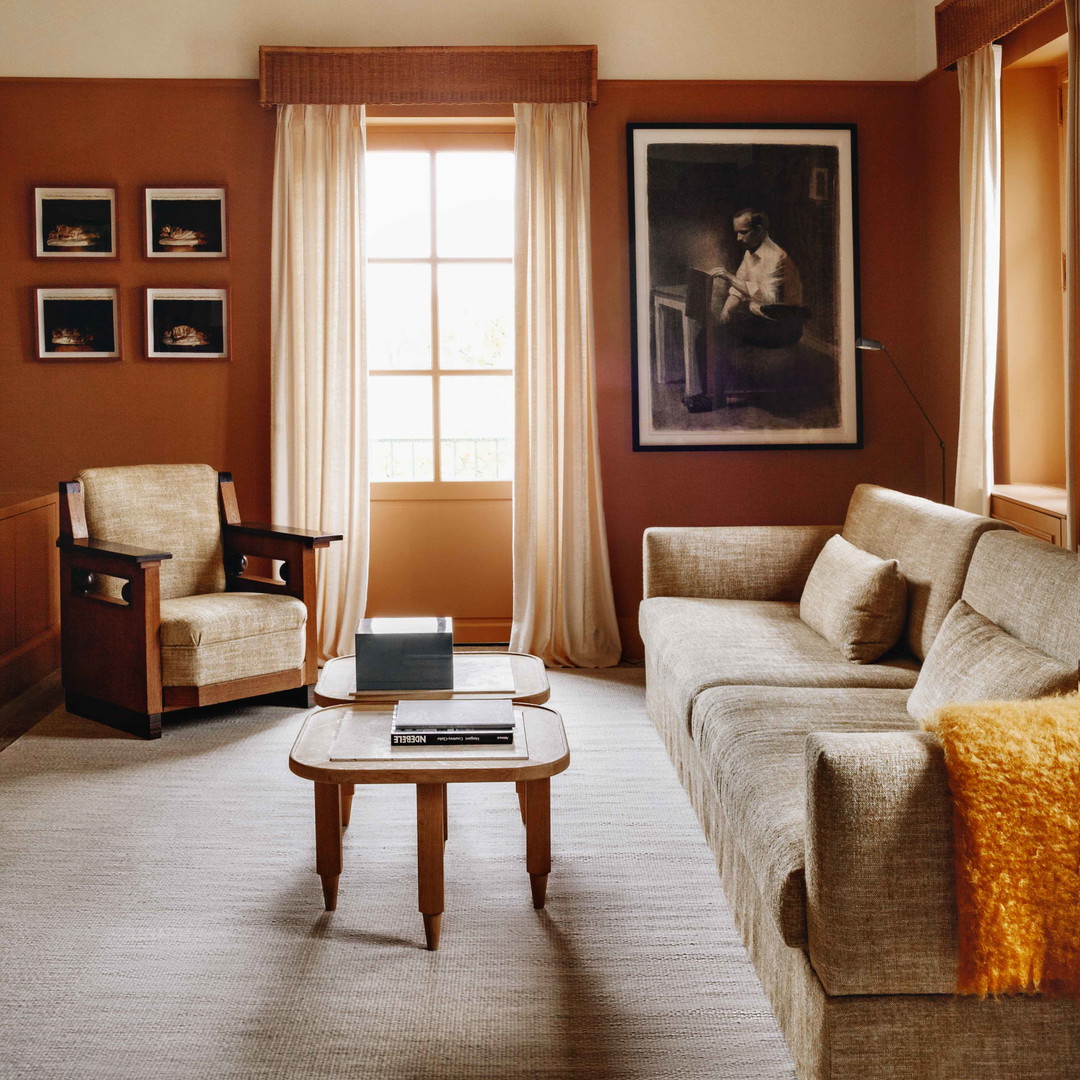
{"x":638,"y":39}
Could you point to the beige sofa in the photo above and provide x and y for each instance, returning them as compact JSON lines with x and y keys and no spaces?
{"x":827,"y":808}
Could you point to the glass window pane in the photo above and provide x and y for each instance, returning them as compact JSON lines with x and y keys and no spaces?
{"x":400,"y":427}
{"x":398,"y":316}
{"x":476,"y":418}
{"x":398,"y":204}
{"x":474,"y":213}
{"x":476,"y":316}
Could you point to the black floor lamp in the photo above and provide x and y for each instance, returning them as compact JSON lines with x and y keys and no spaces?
{"x":870,"y":345}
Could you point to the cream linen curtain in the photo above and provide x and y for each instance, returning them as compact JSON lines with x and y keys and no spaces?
{"x":564,"y":611}
{"x":1072,"y":285}
{"x":980,"y":243}
{"x":319,"y":467}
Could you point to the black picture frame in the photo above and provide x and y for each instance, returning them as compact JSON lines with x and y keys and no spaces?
{"x":744,"y":344}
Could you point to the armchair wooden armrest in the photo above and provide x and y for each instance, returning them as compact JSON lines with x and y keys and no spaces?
{"x":308,"y":537}
{"x":105,"y":550}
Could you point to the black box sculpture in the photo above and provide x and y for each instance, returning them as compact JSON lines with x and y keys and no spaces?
{"x":405,"y":654}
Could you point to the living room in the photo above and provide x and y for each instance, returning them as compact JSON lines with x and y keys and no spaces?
{"x":131,"y":97}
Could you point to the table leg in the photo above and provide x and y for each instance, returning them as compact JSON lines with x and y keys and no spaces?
{"x":430,"y":839}
{"x":347,"y":792}
{"x":445,"y":815}
{"x":328,"y":840}
{"x":520,"y":785}
{"x":538,"y":836}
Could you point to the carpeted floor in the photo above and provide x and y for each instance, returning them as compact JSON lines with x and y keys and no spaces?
{"x":161,"y":916}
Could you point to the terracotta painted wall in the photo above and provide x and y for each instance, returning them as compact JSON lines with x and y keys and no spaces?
{"x":56,"y":418}
{"x":774,"y":486}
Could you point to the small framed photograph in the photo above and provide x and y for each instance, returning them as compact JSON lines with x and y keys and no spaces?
{"x":185,"y":223}
{"x":74,"y":223}
{"x":78,"y":324}
{"x":187,"y":324}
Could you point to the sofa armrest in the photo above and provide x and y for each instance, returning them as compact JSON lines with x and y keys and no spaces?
{"x":880,"y":881}
{"x":761,"y":562}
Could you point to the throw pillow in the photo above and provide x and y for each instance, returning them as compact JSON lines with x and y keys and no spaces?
{"x":855,"y":600}
{"x":973,"y":659}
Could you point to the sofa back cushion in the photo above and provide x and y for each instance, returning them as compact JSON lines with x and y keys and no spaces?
{"x":1030,"y":589}
{"x":932,"y":544}
{"x":973,"y":659}
{"x":170,"y":508}
{"x":855,"y":601}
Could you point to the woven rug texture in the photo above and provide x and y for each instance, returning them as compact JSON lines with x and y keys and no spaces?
{"x":161,"y":916}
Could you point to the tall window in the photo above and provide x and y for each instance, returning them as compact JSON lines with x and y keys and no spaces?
{"x":440,"y":310}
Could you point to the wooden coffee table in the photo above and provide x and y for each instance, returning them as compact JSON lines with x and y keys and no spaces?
{"x":337,"y":682}
{"x":368,"y":729}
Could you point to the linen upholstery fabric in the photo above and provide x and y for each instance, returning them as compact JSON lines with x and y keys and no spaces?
{"x":751,"y":747}
{"x":875,"y":1036}
{"x":692,"y":644}
{"x":855,"y":601}
{"x":973,"y":659}
{"x":564,"y":608}
{"x":732,"y":563}
{"x":931,"y":542}
{"x":171,"y":508}
{"x":1030,"y":589}
{"x":881,"y":898}
{"x":223,"y":636}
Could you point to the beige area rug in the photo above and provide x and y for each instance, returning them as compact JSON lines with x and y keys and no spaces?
{"x":161,"y":916}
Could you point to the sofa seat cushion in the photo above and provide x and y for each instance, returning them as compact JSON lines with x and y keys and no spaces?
{"x":217,"y":637}
{"x":752,"y":745}
{"x":693,"y":644}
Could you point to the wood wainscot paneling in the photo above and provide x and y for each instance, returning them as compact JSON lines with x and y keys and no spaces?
{"x":29,"y":591}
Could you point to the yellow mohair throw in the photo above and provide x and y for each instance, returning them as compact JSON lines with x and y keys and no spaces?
{"x":1014,"y":772}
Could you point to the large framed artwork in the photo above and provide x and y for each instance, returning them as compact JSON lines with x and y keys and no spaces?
{"x":744,"y":283}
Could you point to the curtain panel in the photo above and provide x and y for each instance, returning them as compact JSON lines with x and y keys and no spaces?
{"x":980,"y":268}
{"x":319,"y":461}
{"x":564,"y":610}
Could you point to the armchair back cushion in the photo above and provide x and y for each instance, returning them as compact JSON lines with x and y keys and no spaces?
{"x":932,"y":544}
{"x":170,"y":508}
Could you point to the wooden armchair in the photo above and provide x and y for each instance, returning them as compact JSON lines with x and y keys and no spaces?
{"x":157,"y":609}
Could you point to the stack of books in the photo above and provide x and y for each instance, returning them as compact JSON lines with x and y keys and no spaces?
{"x":453,"y":723}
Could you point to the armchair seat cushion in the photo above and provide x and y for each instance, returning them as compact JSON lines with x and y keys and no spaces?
{"x":216,"y":637}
